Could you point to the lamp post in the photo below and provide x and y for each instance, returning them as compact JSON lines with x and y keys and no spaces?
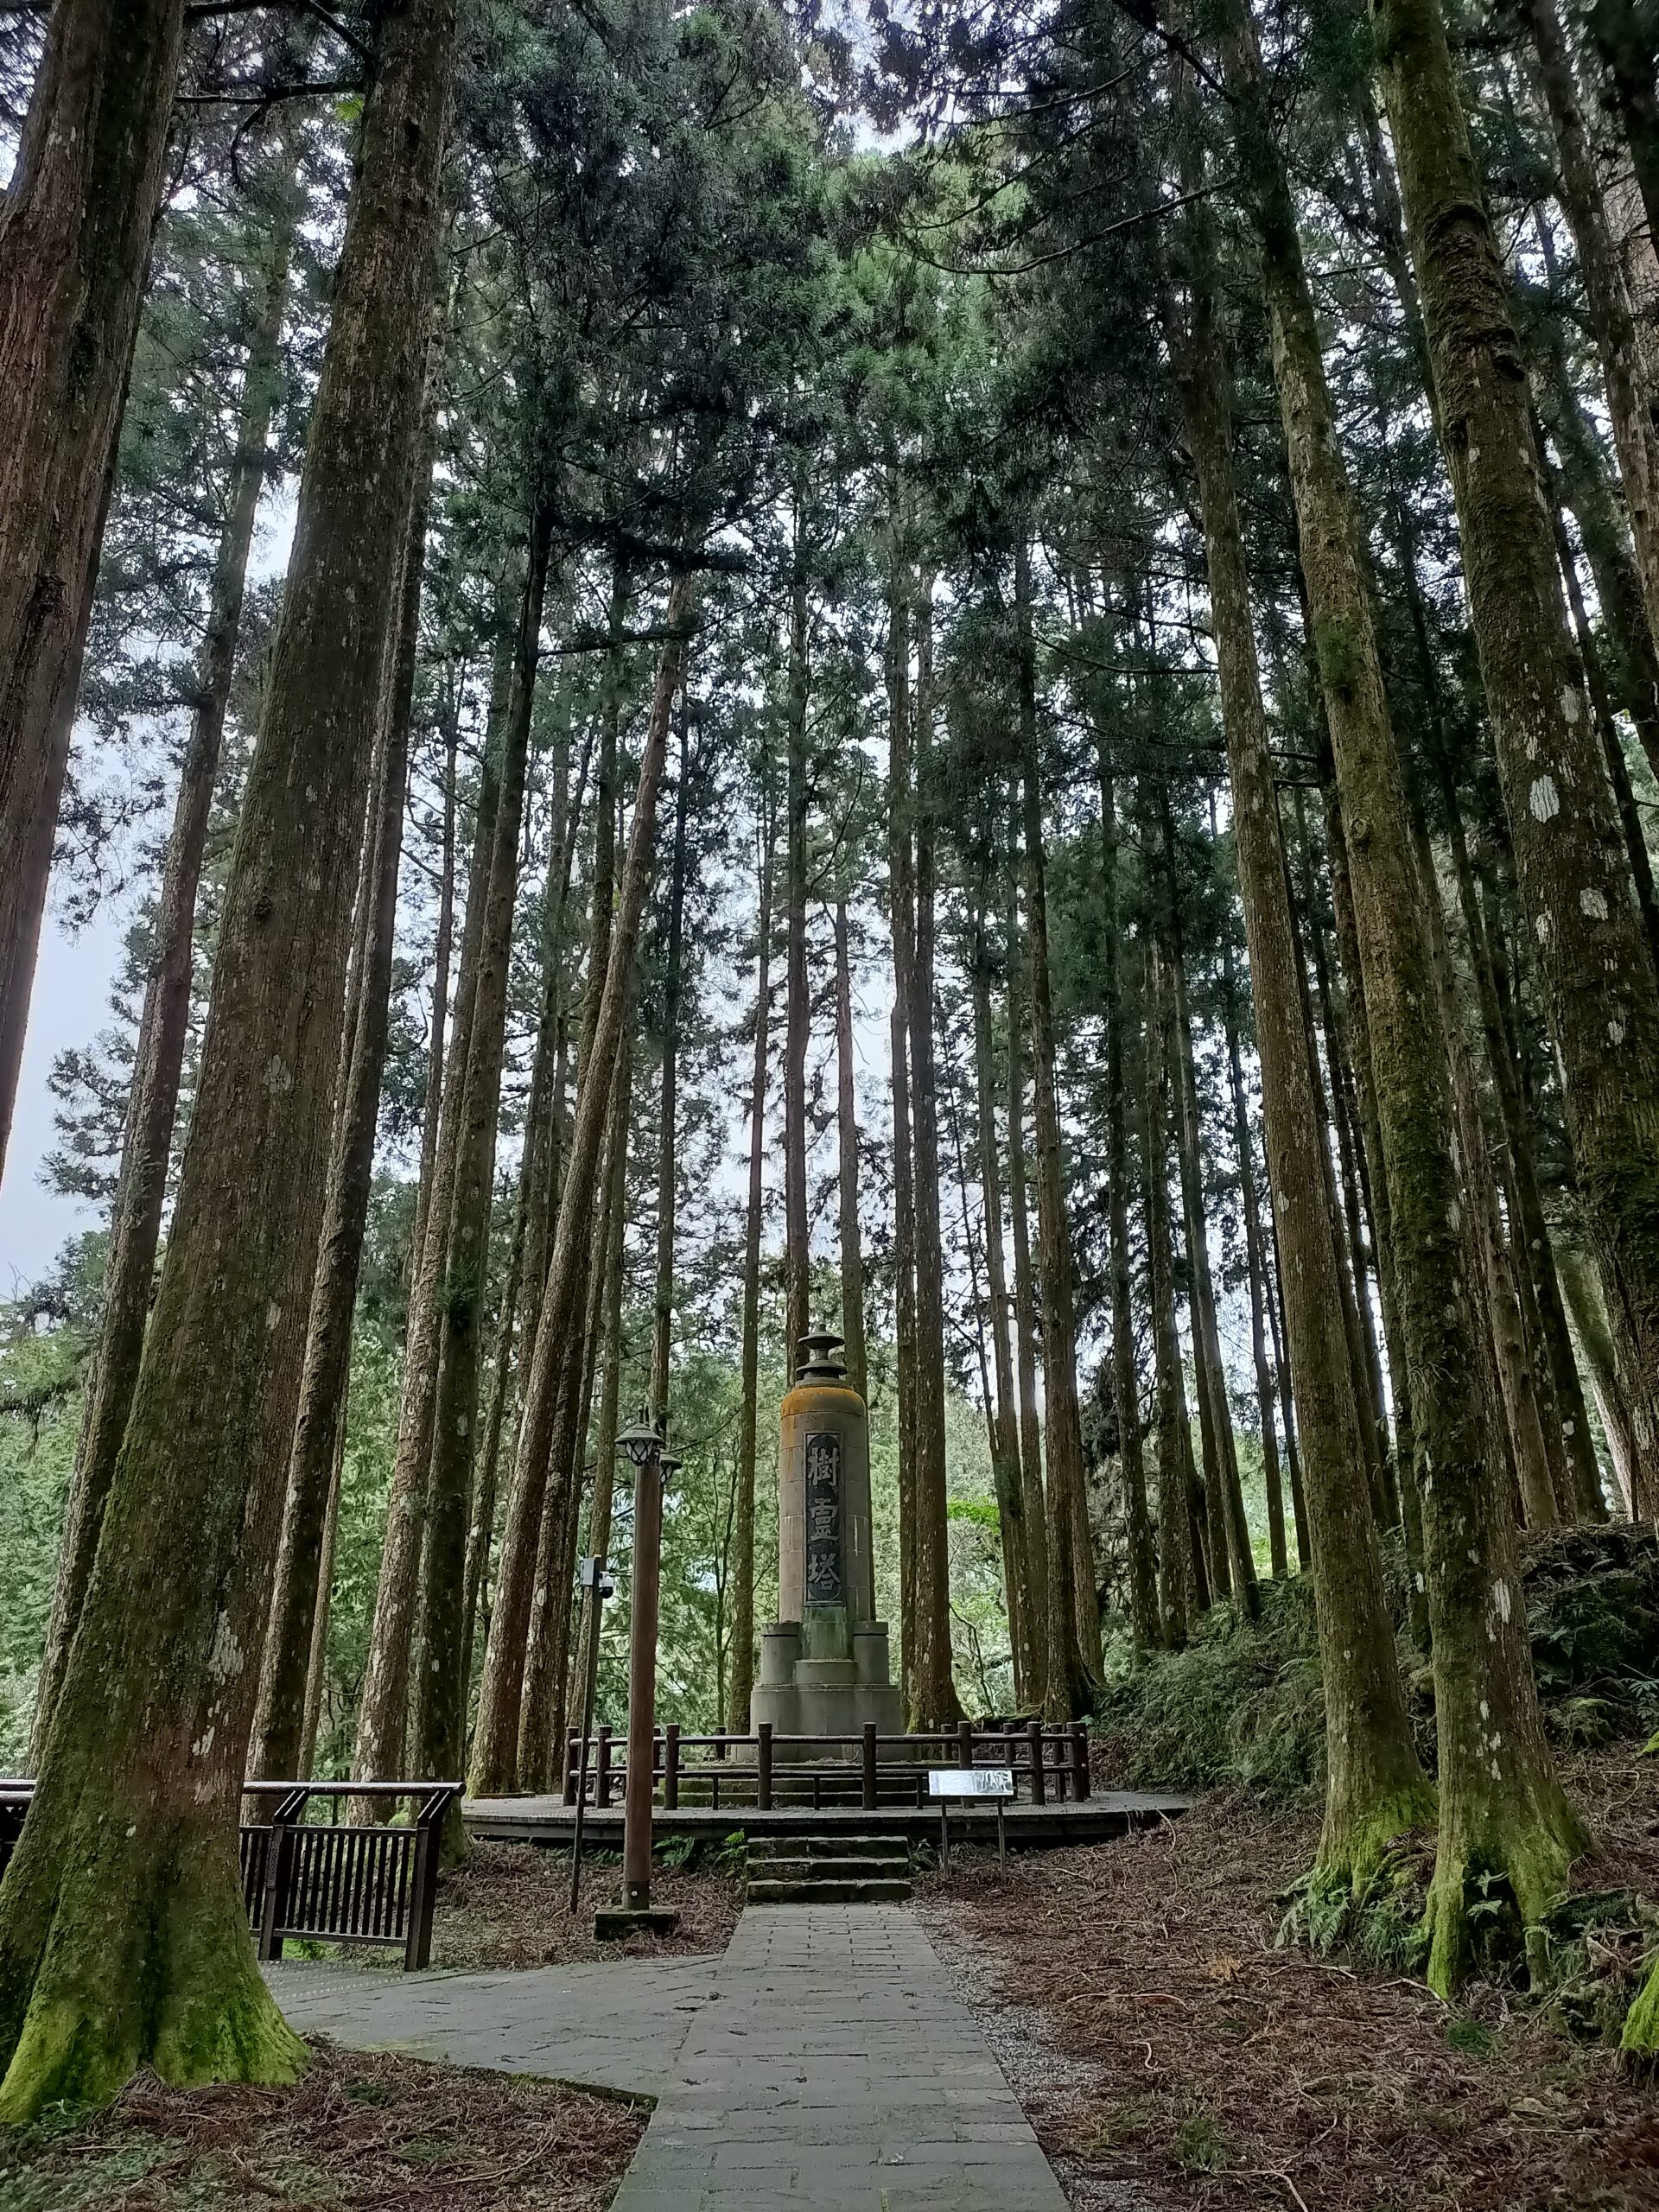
{"x":642,"y":1445}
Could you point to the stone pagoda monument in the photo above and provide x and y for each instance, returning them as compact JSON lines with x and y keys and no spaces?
{"x":823,"y":1662}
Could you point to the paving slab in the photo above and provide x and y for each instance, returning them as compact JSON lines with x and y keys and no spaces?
{"x":836,"y":2072}
{"x":612,"y":2025}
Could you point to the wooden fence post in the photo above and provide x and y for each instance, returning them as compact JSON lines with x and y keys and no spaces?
{"x":1038,"y":1775}
{"x":672,"y":1766}
{"x":870,"y":1790}
{"x":763,"y":1768}
{"x":1079,"y":1760}
{"x":602,"y":1767}
{"x":965,"y":1742}
{"x":423,"y":1881}
{"x":572,"y":1755}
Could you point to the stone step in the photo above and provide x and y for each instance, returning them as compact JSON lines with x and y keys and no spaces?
{"x":837,"y":1892}
{"x":782,"y":1869}
{"x":828,"y":1847}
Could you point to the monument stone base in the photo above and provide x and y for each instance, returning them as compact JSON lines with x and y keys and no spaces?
{"x":820,"y":1677}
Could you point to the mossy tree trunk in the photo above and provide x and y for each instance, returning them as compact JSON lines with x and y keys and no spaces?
{"x":124,"y":1937}
{"x":438,"y":1740}
{"x":901,"y":917}
{"x":1231,"y":1534}
{"x":1623,"y":33}
{"x":279,"y":1725}
{"x":556,"y":1367}
{"x":1126,"y":1389}
{"x":1600,"y":993}
{"x":662,"y":1340}
{"x":383,"y":1706}
{"x":852,"y":1242}
{"x":1633,"y":407}
{"x":1586,"y":489}
{"x":1073,"y":1612}
{"x":932,"y":1689}
{"x":1175,"y":1529}
{"x":1025,"y":1313}
{"x":1504,"y":1816}
{"x":158,"y":1057}
{"x":797,"y":1009}
{"x":742,"y":1570}
{"x":1374,"y":1786}
{"x":613,"y":1351}
{"x":1032,"y":1603}
{"x":75,"y":225}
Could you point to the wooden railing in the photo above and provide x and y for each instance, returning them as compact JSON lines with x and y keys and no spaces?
{"x":1050,"y":1765}
{"x":324,"y":1881}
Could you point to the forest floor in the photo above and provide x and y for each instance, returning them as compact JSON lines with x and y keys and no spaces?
{"x":1168,"y":2055}
{"x":365,"y":2131}
{"x":508,"y":1905}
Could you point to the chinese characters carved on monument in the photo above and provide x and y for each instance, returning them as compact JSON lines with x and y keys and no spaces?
{"x":824,"y":1520}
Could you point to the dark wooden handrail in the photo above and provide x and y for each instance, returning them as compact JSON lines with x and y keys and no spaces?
{"x":1051,"y":1759}
{"x":330,"y":1882}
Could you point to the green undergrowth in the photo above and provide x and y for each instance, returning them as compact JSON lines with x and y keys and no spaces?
{"x":1243,"y":1706}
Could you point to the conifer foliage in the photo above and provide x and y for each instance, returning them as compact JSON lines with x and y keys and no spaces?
{"x":987,"y":676}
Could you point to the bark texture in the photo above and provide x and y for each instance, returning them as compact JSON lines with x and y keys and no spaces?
{"x":1600,"y":992}
{"x":1503,"y":1813}
{"x":141,"y":1190}
{"x":123,"y":1938}
{"x":75,"y":224}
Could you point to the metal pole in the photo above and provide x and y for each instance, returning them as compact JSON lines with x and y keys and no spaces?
{"x":588,"y":1691}
{"x":642,"y":1682}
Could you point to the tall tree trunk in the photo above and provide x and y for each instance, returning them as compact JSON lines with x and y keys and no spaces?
{"x":1235,"y":1535}
{"x":1274,"y":1288}
{"x":1587,"y":491}
{"x":1025,"y":1318}
{"x":1005,"y":1433}
{"x":279,"y":1721}
{"x":495,"y":1749}
{"x":667,"y":1180}
{"x":1174,"y":1522}
{"x":1254,"y":1260}
{"x":1143,"y":1557}
{"x":932,"y":1690}
{"x":1584,"y":1298}
{"x":147,"y":1141}
{"x":1585,"y":1502}
{"x":126,"y":1877}
{"x":1600,"y":992}
{"x":439,"y":1710}
{"x":1630,"y":404}
{"x":383,"y":1706}
{"x":75,"y":225}
{"x":1502,"y":1808}
{"x":1074,"y":1663}
{"x":852,"y":1242}
{"x":1344,"y":1117}
{"x":797,"y":1013}
{"x":614,"y":1353}
{"x":1624,"y":41}
{"x":742,"y":1584}
{"x":317,"y":1673}
{"x":901,"y":905}
{"x":442,"y":946}
{"x":541,"y":1717}
{"x":1612,"y":746}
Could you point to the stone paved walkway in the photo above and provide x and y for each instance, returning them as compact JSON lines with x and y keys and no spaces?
{"x":612,"y":2025}
{"x":821,"y":2064}
{"x":836,"y":2073}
